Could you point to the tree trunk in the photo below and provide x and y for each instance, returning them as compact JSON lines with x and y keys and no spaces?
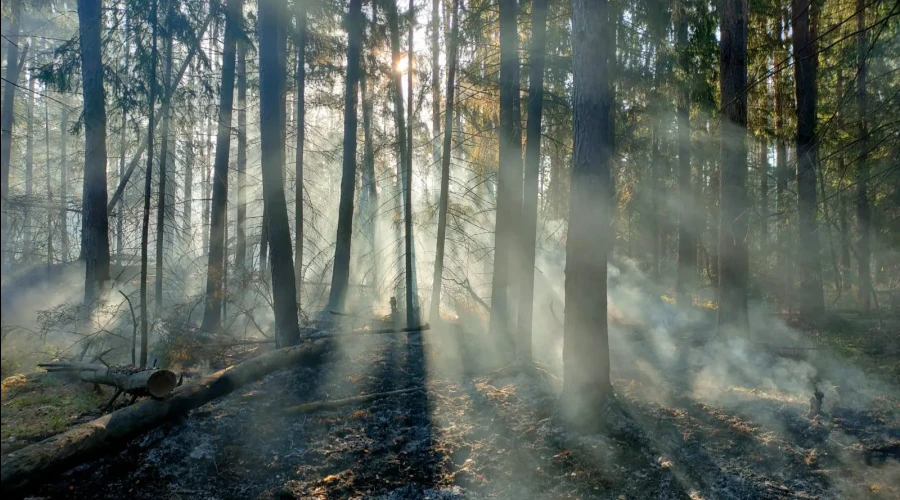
{"x":444,"y":200}
{"x":7,"y":122}
{"x":863,"y":212}
{"x":300,"y":79}
{"x":435,"y":80}
{"x":29,"y":174}
{"x":687,"y":244}
{"x":150,"y":382}
{"x":341,"y":274}
{"x":590,"y":238}
{"x":240,"y":250}
{"x":811,"y":298}
{"x":369,"y":195}
{"x":47,"y":181}
{"x":509,"y":182}
{"x":397,"y":91}
{"x":782,"y":175}
{"x":190,"y":161}
{"x":844,"y":200}
{"x":162,"y":197}
{"x":532,"y":175}
{"x":64,"y":180}
{"x":409,"y":256}
{"x":123,"y":134}
{"x":215,"y":290}
{"x":733,"y":204}
{"x":57,"y":453}
{"x":148,"y":187}
{"x":271,"y":122}
{"x":764,"y":191}
{"x":95,"y":230}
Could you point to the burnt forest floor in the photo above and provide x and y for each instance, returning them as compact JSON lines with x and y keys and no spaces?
{"x":496,"y":436}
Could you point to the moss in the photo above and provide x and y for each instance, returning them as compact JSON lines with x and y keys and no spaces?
{"x":37,"y":405}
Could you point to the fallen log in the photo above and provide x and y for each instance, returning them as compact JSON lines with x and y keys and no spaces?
{"x":128,"y":379}
{"x":306,"y":408}
{"x":22,"y":468}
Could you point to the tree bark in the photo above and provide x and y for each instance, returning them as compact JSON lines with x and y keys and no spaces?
{"x":341,"y":273}
{"x":162,"y":201}
{"x":7,"y":122}
{"x":444,"y":200}
{"x":95,"y":229}
{"x":300,"y":79}
{"x":435,"y":80}
{"x":271,"y":122}
{"x":241,"y":222}
{"x":148,"y":187}
{"x":782,"y":174}
{"x":27,"y":466}
{"x":29,"y":173}
{"x":863,"y":212}
{"x":150,"y":382}
{"x":409,"y":244}
{"x":369,"y":195}
{"x":733,"y":204}
{"x":123,"y":134}
{"x":532,"y":176}
{"x":509,"y":182}
{"x":215,"y":288}
{"x":687,"y":244}
{"x":586,"y":363}
{"x":811,"y":297}
{"x":64,"y":180}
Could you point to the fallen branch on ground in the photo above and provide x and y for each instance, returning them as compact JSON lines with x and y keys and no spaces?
{"x":127,"y":379}
{"x":339,"y":403}
{"x":21,"y":468}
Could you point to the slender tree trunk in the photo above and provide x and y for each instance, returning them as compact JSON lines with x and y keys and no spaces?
{"x":29,"y":173}
{"x":7,"y":122}
{"x":300,"y":78}
{"x":123,"y":134}
{"x":863,"y":212}
{"x":148,"y":187}
{"x":509,"y":184}
{"x":64,"y":181}
{"x":410,"y":274}
{"x":811,"y":300}
{"x":271,"y":120}
{"x":782,"y":174}
{"x":844,"y":200}
{"x":341,"y":275}
{"x":733,"y":204}
{"x":687,"y":244}
{"x":241,"y":223}
{"x":190,"y":161}
{"x":215,"y":292}
{"x":435,"y":80}
{"x":162,"y":197}
{"x":444,"y":200}
{"x":95,"y":232}
{"x":47,"y":181}
{"x":586,"y":371}
{"x":532,"y":174}
{"x":764,"y":191}
{"x":369,"y":195}
{"x":397,"y":92}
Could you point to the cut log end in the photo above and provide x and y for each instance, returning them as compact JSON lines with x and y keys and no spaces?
{"x":161,"y":383}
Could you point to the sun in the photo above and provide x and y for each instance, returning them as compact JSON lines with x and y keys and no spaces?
{"x":402,"y":65}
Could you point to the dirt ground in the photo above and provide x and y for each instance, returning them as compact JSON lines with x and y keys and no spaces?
{"x":497,"y":437}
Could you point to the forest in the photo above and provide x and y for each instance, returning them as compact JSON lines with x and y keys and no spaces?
{"x":450,"y":249}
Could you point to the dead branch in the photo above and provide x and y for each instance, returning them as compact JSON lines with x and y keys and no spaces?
{"x":127,"y":379}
